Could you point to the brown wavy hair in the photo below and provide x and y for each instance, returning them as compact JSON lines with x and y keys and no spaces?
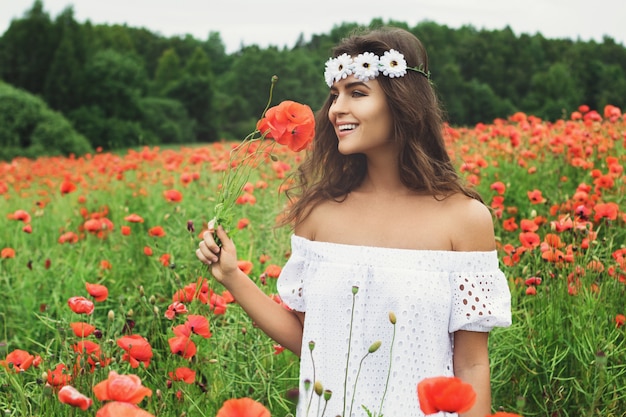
{"x":423,"y":161}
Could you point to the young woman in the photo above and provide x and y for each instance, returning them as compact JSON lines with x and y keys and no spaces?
{"x":382,"y":224}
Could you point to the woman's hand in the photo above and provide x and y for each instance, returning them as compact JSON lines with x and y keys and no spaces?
{"x":222,"y":261}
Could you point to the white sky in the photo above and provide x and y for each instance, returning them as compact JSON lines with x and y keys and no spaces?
{"x":280,"y":22}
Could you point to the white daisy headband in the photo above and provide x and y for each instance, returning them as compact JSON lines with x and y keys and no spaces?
{"x":367,"y":66}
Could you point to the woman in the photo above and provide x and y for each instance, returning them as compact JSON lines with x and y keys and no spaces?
{"x":389,"y":245}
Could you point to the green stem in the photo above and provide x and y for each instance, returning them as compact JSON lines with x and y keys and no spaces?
{"x":382,"y":400}
{"x":345,"y":382}
{"x":355,"y":382}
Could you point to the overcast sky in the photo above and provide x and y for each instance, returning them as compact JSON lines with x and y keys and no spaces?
{"x":280,"y":22}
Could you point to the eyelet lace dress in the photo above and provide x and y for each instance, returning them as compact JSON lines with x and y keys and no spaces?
{"x":432,"y":294}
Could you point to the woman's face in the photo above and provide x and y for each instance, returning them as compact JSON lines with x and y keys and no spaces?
{"x":360,"y":116}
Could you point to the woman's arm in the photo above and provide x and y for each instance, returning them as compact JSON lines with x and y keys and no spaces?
{"x":471,"y":364}
{"x":282,"y":325}
{"x":473,"y":231}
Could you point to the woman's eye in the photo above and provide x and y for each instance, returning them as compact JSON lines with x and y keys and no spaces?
{"x":357,"y":93}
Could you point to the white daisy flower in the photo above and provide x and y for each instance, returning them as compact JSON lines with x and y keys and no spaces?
{"x":393,"y":64}
{"x":338,"y":68}
{"x":366,"y":66}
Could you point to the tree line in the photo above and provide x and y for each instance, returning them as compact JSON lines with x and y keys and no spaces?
{"x":120,"y":86}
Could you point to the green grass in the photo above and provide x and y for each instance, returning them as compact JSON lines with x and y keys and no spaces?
{"x":564,"y":354}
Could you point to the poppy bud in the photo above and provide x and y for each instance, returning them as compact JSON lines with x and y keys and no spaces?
{"x":355,"y":289}
{"x":375,"y":346}
{"x":141,"y":291}
{"x":111,"y":315}
{"x":307,"y":384}
{"x":392,"y":317}
{"x":318,"y":388}
{"x":152,"y":300}
{"x":327,"y":394}
{"x":156,"y":310}
{"x":311,"y":345}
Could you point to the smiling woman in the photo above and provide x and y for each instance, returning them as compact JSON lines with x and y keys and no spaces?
{"x":361,"y":254}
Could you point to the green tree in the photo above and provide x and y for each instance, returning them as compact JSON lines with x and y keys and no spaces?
{"x":554,"y":93}
{"x":64,"y":79}
{"x":28,"y":127}
{"x":116,"y":82}
{"x":168,"y":70}
{"x":27,"y":49}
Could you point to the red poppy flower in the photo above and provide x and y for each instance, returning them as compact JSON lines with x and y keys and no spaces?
{"x":125,"y":230}
{"x":217,"y":303}
{"x":246,"y":198}
{"x":620,"y":319}
{"x":98,"y":291}
{"x":290,"y":123}
{"x":68,"y":237}
{"x":535,"y":197}
{"x":528,"y":225}
{"x":243,"y":407}
{"x":18,"y":360}
{"x":199,"y":325}
{"x":70,"y":395}
{"x":165,"y":259}
{"x":134,"y":218}
{"x":243,"y":223}
{"x":183,"y":374}
{"x":606,"y":211}
{"x":183,"y":346}
{"x":529,"y":239}
{"x":137,"y":349}
{"x":20,"y":215}
{"x":175,"y":308}
{"x":58,"y":377}
{"x":509,"y":224}
{"x":122,"y":409}
{"x":448,"y":394}
{"x":273,"y":271}
{"x":67,"y":187}
{"x":27,"y":229}
{"x":123,"y":388}
{"x":173,"y":195}
{"x":498,"y":187}
{"x":80,"y":305}
{"x":7,"y":253}
{"x":81,"y":329}
{"x":156,"y":231}
{"x":245,"y":266}
{"x":147,"y":250}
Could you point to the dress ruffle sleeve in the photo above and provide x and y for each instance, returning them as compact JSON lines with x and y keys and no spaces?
{"x":481,"y":298}
{"x":291,"y":282}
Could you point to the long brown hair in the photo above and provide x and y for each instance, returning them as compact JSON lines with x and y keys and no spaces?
{"x":423,"y":161}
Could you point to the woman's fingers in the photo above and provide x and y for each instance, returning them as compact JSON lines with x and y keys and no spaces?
{"x":227,"y":243}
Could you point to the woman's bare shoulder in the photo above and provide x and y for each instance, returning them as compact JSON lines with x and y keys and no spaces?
{"x":472,"y":224}
{"x":316,"y":216}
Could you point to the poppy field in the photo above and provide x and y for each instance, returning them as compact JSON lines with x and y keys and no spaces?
{"x":106,"y":311}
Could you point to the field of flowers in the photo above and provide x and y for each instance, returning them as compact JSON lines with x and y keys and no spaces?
{"x":101,"y":288}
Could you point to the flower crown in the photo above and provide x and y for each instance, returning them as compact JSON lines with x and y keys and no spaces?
{"x":367,"y":66}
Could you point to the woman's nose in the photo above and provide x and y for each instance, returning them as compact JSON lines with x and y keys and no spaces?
{"x":339,"y":105}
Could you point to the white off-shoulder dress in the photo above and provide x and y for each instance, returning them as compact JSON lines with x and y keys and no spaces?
{"x":432,"y":294}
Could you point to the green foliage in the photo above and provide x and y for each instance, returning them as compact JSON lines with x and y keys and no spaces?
{"x":481,"y":74}
{"x":167,"y":121}
{"x":28,"y":127}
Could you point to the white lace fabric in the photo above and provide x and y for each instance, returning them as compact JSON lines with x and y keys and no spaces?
{"x":432,"y":293}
